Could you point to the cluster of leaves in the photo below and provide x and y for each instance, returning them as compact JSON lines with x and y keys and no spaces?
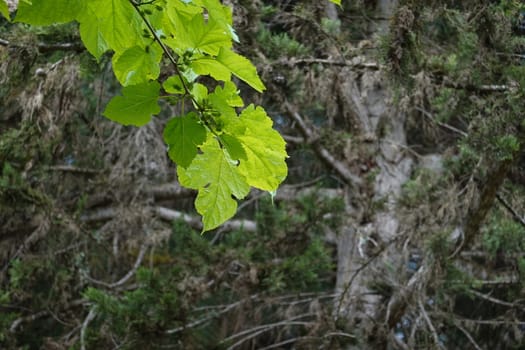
{"x":219,"y":152}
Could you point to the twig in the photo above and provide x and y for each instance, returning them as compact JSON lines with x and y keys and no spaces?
{"x":492,"y":299}
{"x":443,"y":125}
{"x":322,"y":152}
{"x":231,"y":225}
{"x":430,"y":325}
{"x":469,"y":337}
{"x":43,"y":47}
{"x":514,"y":213}
{"x":255,"y":331}
{"x":126,"y":277}
{"x":90,"y":316}
{"x":297,"y":61}
{"x":357,"y":272}
{"x":265,"y":327}
{"x":74,"y":169}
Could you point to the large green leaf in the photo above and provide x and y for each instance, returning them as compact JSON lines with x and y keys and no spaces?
{"x":136,"y":105}
{"x":116,"y":21}
{"x":91,"y":33}
{"x":207,"y":37}
{"x":45,"y":12}
{"x":4,"y":11}
{"x":137,"y":64}
{"x":241,"y":67}
{"x":226,"y":64}
{"x":183,"y":135}
{"x":264,"y":166}
{"x":215,"y":175}
{"x":224,"y":99}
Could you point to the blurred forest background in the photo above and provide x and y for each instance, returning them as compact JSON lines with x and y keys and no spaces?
{"x":400,"y":226}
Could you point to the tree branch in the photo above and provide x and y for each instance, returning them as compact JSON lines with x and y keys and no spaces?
{"x":311,"y":138}
{"x":126,"y":277}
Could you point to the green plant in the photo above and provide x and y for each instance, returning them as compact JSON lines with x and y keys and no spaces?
{"x":219,"y":152}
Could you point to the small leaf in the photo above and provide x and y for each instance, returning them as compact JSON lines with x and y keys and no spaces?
{"x":116,"y":21}
{"x":215,"y":175}
{"x":241,"y":67}
{"x":45,"y":12}
{"x":91,"y":34}
{"x":136,"y":105}
{"x":265,"y":166}
{"x":137,"y":65}
{"x":337,"y":2}
{"x":224,"y":99}
{"x":226,"y":64}
{"x":183,"y":135}
{"x":173,"y":85}
{"x":4,"y":10}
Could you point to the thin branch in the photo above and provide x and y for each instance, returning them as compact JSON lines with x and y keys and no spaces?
{"x":356,"y":273}
{"x":492,"y":299}
{"x":266,"y":327}
{"x":90,"y":316}
{"x":130,"y":273}
{"x":322,"y":152}
{"x":29,"y":318}
{"x":430,"y":325}
{"x":443,"y":125}
{"x":195,"y":222}
{"x":514,"y":213}
{"x":298,"y":61}
{"x":469,"y":337}
{"x":43,"y":47}
{"x":74,"y":169}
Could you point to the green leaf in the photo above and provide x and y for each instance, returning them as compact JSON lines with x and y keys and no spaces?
{"x":241,"y":67}
{"x":174,"y":85}
{"x":91,"y":34}
{"x":226,"y":63}
{"x":137,"y":65}
{"x":233,"y":146}
{"x":136,"y":105}
{"x":210,"y":66}
{"x":215,"y":175}
{"x":337,"y":2}
{"x":116,"y":21}
{"x":4,"y":10}
{"x":265,"y":166}
{"x":207,"y":37}
{"x":224,"y":99}
{"x":199,"y":92}
{"x":45,"y":12}
{"x":183,"y":135}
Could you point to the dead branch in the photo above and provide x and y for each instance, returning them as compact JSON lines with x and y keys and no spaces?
{"x":430,"y":325}
{"x":306,"y":61}
{"x":195,"y":222}
{"x":443,"y":125}
{"x":469,"y":337}
{"x":312,"y":138}
{"x":256,"y":331}
{"x":74,"y":169}
{"x":126,"y":277}
{"x":44,"y":47}
{"x":477,"y":213}
{"x":90,"y":316}
{"x":494,"y":300}
{"x":513,"y":211}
